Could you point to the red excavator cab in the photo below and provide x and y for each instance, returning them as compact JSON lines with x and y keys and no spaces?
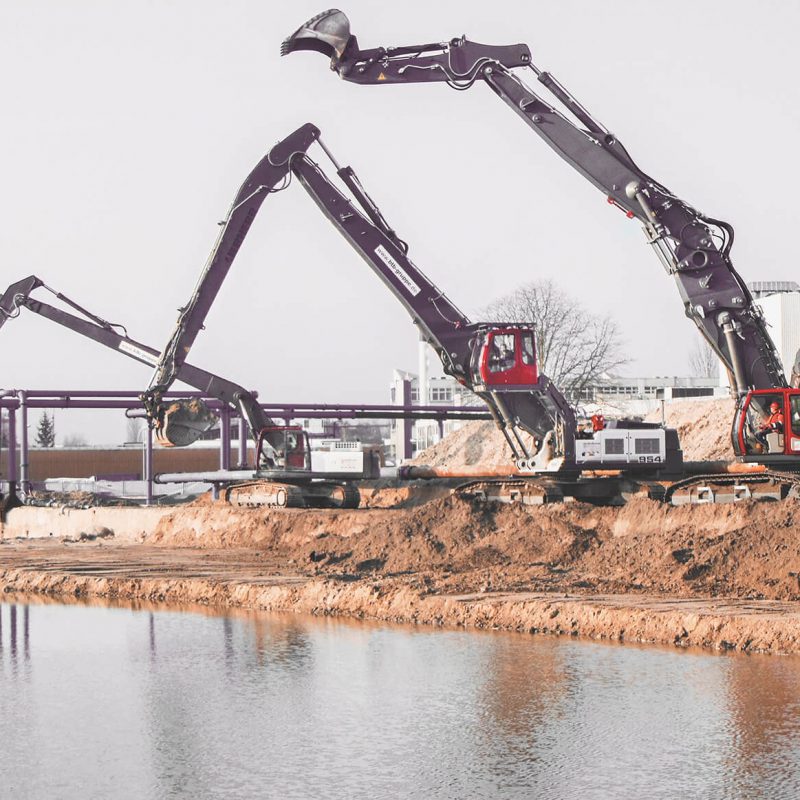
{"x":508,"y":358}
{"x":283,"y":447}
{"x":762,"y":434}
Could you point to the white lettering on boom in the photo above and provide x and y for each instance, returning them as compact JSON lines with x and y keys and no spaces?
{"x":401,"y":275}
{"x":137,"y":352}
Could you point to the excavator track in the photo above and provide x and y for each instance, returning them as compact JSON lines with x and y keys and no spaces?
{"x":694,"y":490}
{"x":269,"y":494}
{"x":529,"y":492}
{"x":264,"y":494}
{"x":540,"y":491}
{"x":714,"y":488}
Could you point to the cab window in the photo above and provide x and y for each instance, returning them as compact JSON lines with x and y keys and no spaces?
{"x":759,"y":405}
{"x":501,"y":352}
{"x":527,"y":348}
{"x":794,"y":405}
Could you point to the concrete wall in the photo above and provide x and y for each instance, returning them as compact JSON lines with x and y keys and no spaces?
{"x":123,"y":461}
{"x":129,"y":525}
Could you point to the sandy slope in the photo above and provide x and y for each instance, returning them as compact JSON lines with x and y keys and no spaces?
{"x":703,"y":427}
{"x":724,"y":577}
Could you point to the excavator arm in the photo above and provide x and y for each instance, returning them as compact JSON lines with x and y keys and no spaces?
{"x":91,"y":326}
{"x":265,"y":178}
{"x":693,"y":248}
{"x":536,"y":407}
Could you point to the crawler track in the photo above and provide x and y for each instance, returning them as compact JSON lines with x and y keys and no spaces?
{"x":695,"y":489}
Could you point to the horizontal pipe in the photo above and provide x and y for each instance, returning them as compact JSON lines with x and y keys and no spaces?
{"x":97,"y":401}
{"x":279,"y":413}
{"x":135,"y":395}
{"x":101,"y":393}
{"x":410,"y":472}
{"x":722,"y":468}
{"x":297,"y":477}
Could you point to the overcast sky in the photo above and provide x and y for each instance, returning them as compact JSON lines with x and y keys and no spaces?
{"x":128,"y":126}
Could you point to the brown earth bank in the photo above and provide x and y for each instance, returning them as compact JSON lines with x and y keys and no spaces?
{"x":715,"y":576}
{"x":704,"y":429}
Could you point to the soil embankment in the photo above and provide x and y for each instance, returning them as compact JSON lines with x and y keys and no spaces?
{"x":716,"y":576}
{"x":703,"y":428}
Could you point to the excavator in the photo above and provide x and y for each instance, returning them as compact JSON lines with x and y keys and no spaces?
{"x":692,"y":247}
{"x":284,"y":477}
{"x":496,"y":360}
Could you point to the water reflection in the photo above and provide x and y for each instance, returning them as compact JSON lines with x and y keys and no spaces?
{"x":12,"y":642}
{"x":149,"y":703}
{"x":765,"y":725}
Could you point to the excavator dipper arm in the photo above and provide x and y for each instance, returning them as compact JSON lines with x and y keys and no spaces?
{"x":264,"y":179}
{"x":458,"y":61}
{"x":540,"y":409}
{"x":693,"y":248}
{"x":17,"y":297}
{"x":536,"y":409}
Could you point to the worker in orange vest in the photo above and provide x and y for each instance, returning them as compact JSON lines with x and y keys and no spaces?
{"x":772,"y":424}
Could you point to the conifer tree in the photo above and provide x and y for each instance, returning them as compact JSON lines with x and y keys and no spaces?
{"x":46,"y":431}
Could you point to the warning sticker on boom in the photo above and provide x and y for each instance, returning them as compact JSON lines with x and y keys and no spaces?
{"x":137,"y":352}
{"x":399,"y":273}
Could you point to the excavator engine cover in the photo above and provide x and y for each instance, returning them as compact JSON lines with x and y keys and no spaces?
{"x":183,"y":422}
{"x":327,"y":33}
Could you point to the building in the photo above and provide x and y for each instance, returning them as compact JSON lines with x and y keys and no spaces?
{"x":780,"y":302}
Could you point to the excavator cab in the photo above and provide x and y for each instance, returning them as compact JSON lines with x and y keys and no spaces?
{"x":283,"y":447}
{"x":507,"y":357}
{"x":767,"y":425}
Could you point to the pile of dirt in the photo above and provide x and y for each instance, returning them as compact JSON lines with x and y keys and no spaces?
{"x":704,"y":427}
{"x":474,"y":443}
{"x":747,"y":550}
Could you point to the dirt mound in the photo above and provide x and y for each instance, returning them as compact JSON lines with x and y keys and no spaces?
{"x":743,"y":550}
{"x":474,"y":443}
{"x":704,"y":427}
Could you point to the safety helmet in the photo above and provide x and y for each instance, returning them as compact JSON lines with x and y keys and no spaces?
{"x":774,"y":407}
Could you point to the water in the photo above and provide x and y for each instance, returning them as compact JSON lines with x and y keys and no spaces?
{"x":112,"y":702}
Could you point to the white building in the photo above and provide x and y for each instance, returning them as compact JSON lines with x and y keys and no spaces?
{"x":780,"y":302}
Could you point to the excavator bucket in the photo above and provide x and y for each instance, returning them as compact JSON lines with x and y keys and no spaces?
{"x":327,"y":33}
{"x":184,"y":422}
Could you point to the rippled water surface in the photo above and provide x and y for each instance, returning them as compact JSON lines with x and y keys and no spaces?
{"x":110,"y":702}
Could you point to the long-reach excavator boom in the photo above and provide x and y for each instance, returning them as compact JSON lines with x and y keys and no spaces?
{"x":18,"y":296}
{"x":693,"y":248}
{"x":283,"y":473}
{"x":496,"y":360}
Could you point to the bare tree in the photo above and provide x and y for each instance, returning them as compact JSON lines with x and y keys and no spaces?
{"x":703,"y":361}
{"x":75,"y":440}
{"x":574,"y":347}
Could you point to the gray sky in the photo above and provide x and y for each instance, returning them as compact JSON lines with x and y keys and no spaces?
{"x":128,"y":126}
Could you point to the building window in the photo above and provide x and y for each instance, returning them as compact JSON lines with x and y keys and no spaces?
{"x":441,"y":394}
